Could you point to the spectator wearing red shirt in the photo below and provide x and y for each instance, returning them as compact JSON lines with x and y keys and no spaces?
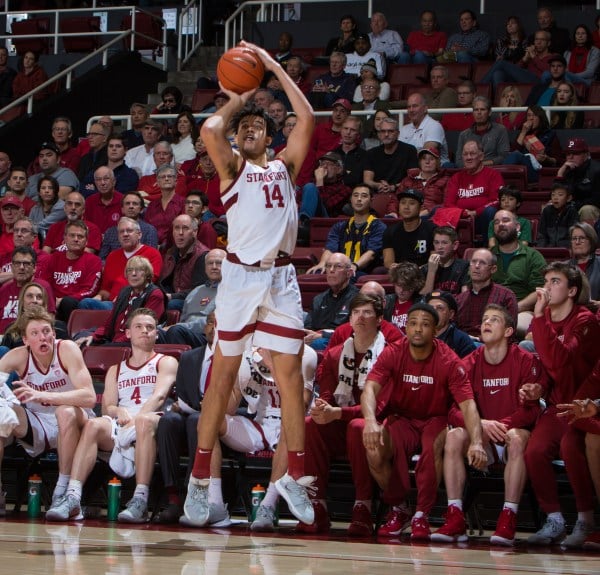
{"x":16,"y":184}
{"x":24,"y":235}
{"x":74,"y":209}
{"x":414,"y":384}
{"x":23,"y":271}
{"x":114,"y":278}
{"x":425,"y":44}
{"x":11,"y":209}
{"x":149,"y":186}
{"x":326,"y":137}
{"x":74,"y":273}
{"x":201,"y":175}
{"x":497,"y":370}
{"x":474,"y":190}
{"x":104,"y":207}
{"x":162,"y":211}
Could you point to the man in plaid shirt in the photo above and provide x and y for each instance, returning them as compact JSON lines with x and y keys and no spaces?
{"x":482,"y":291}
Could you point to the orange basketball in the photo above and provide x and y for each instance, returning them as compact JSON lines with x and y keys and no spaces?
{"x":240,"y":70}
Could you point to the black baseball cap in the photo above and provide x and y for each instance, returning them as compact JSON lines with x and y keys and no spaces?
{"x":412,"y":194}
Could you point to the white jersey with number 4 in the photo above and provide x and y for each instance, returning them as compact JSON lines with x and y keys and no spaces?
{"x":262,"y":216}
{"x":135,"y":385}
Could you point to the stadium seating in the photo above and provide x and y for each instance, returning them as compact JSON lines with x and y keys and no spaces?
{"x":84,"y":319}
{"x":83,"y":43}
{"x":27,"y":27}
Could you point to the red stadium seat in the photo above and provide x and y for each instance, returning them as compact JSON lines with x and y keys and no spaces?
{"x":31,"y":26}
{"x":515,"y":175}
{"x":148,"y":26}
{"x":172,"y":349}
{"x":555,"y":254}
{"x":82,"y":319}
{"x":479,"y":70}
{"x":84,"y":24}
{"x":458,"y":71}
{"x":202,"y":98}
{"x":98,"y":358}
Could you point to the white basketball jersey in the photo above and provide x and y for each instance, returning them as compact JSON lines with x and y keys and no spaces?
{"x":259,"y":392}
{"x":262,"y":215}
{"x":55,"y":380}
{"x":136,"y":384}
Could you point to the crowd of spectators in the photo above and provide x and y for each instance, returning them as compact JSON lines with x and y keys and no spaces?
{"x":127,"y":222}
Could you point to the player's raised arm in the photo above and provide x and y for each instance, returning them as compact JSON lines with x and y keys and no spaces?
{"x":299,"y":139}
{"x":214,"y":135}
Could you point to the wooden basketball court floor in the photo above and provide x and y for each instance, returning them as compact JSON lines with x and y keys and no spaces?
{"x":98,"y":547}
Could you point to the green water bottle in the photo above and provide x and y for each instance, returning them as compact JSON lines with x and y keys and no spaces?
{"x":257,"y":495}
{"x":114,"y":499}
{"x":34,"y":496}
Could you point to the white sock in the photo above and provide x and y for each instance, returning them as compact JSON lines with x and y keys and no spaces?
{"x":586,"y":516}
{"x":61,"y":484}
{"x":74,"y":488}
{"x":456,"y":502}
{"x":271,"y":496}
{"x":514,"y":507}
{"x":142,"y":491}
{"x":418,"y":515}
{"x":557,"y":516}
{"x":365,"y":502}
{"x":215,"y":495}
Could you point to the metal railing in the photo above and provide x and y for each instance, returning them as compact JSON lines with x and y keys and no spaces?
{"x":67,"y":73}
{"x":190,"y":21}
{"x":58,"y":15}
{"x":400,"y":113}
{"x":268,"y":11}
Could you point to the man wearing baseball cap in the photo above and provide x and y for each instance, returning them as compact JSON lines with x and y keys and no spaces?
{"x":444,"y":303}
{"x":363,"y":54}
{"x":49,"y":159}
{"x":580,"y":173}
{"x":411,"y":239}
{"x":11,"y":210}
{"x":328,"y":195}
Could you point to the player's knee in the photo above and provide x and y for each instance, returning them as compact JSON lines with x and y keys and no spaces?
{"x":517,"y":442}
{"x":454,"y":444}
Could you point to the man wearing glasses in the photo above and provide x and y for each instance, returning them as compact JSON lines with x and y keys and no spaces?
{"x":97,"y":156}
{"x":331,"y":308}
{"x":387,"y":165}
{"x":149,"y":186}
{"x":162,"y":211}
{"x":482,"y":291}
{"x":24,"y":235}
{"x":23,"y":270}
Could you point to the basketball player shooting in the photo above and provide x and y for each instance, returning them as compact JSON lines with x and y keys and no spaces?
{"x":258,"y":298}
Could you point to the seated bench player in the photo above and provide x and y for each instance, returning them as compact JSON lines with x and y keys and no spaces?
{"x":135,"y":391}
{"x":55,"y":395}
{"x":498,"y":369}
{"x":425,"y":375}
{"x":342,"y":375}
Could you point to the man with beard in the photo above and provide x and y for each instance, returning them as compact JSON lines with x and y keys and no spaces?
{"x":519,"y":267}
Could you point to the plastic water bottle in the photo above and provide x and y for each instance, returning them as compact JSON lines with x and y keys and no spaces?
{"x":257,"y":495}
{"x":34,"y":497}
{"x":114,"y":499}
